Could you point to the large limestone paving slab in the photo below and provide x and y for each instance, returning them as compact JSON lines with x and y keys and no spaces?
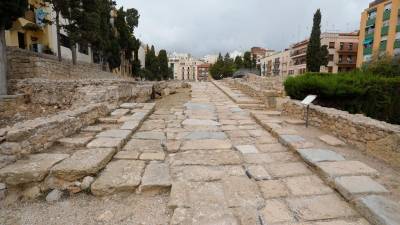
{"x":115,"y":133}
{"x":345,"y":168}
{"x":33,"y":169}
{"x":201,"y":135}
{"x":206,"y":144}
{"x":273,"y":189}
{"x":314,"y":156}
{"x":205,"y":173}
{"x":83,"y":163}
{"x":276,"y":211}
{"x":352,"y":186}
{"x":320,"y":207}
{"x":307,"y":185}
{"x":379,"y":210}
{"x":139,"y":145}
{"x":150,"y":135}
{"x":330,"y":140}
{"x":152,"y":125}
{"x":242,"y":192}
{"x":211,"y":158}
{"x":132,"y":125}
{"x":118,"y":176}
{"x":281,"y":170}
{"x":198,"y":122}
{"x":156,"y":177}
{"x":75,"y":142}
{"x":103,"y":142}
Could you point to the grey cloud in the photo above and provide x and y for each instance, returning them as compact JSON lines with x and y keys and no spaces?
{"x":212,"y":26}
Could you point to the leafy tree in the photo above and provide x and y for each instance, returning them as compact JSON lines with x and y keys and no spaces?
{"x":247,"y":60}
{"x":163,"y":63}
{"x":9,"y":11}
{"x":229,"y":67}
{"x":316,"y":55}
{"x":238,"y":62}
{"x":151,"y":65}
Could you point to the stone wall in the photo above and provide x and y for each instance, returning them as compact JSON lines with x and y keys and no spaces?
{"x":71,"y":93}
{"x":39,"y":134}
{"x":24,"y":64}
{"x":377,"y":138}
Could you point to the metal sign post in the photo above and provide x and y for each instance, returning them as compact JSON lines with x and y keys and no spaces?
{"x":306,"y":102}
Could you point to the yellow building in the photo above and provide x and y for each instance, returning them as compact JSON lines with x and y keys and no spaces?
{"x":30,"y":32}
{"x":379,"y":30}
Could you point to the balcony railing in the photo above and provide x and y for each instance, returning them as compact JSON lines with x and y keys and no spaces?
{"x":386,"y":15}
{"x":346,"y":62}
{"x":368,"y":51}
{"x":385,"y":31}
{"x":369,"y":36}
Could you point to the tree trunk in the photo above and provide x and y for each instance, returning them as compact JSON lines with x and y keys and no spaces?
{"x":58,"y":35}
{"x":73,"y":50}
{"x":3,"y":61}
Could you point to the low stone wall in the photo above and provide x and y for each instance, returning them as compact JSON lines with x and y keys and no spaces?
{"x":71,"y":93}
{"x":377,"y":138}
{"x":24,"y":64}
{"x":39,"y":134}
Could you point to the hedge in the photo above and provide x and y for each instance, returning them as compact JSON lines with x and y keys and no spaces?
{"x":356,"y":92}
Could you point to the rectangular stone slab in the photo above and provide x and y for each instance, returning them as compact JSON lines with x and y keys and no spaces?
{"x":207,"y":144}
{"x":115,"y":133}
{"x":83,"y":163}
{"x":345,"y":168}
{"x":352,"y":186}
{"x":156,"y":177}
{"x":212,"y":158}
{"x":118,"y":176}
{"x":314,"y":156}
{"x":379,"y":209}
{"x":106,"y":143}
{"x":33,"y":169}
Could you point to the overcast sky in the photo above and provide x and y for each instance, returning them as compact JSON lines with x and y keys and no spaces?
{"x":210,"y":26}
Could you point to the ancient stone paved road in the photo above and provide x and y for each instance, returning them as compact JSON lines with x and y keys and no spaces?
{"x":204,"y":162}
{"x":228,"y":170}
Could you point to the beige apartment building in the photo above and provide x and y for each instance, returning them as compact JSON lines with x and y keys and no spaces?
{"x":276,"y":64}
{"x":184,"y":66}
{"x":342,"y":49}
{"x":379,"y":30}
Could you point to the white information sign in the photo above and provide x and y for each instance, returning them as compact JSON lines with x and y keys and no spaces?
{"x":309,"y":99}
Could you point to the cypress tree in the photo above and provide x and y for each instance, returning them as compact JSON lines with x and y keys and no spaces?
{"x":316,"y":54}
{"x":163,"y":63}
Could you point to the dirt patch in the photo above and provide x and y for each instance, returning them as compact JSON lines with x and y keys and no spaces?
{"x":181,"y":96}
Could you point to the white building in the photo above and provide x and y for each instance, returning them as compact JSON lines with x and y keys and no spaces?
{"x":276,"y":64}
{"x":210,"y":59}
{"x":184,"y":66}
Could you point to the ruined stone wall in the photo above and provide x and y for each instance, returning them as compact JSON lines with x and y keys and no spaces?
{"x":24,"y":64}
{"x":377,"y":138}
{"x":39,"y":134}
{"x":67,"y":93}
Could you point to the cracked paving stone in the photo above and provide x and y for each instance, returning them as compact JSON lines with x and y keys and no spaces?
{"x":207,"y":144}
{"x":242,"y":192}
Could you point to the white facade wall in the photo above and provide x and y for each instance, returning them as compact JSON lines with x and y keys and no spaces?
{"x":184,"y":66}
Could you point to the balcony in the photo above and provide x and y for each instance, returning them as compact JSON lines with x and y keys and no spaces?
{"x":371,"y":21}
{"x":369,"y":36}
{"x":368,"y":51}
{"x":346,"y":62}
{"x":385,"y":31}
{"x":386,"y":15}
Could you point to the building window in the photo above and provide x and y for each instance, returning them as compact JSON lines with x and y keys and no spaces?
{"x":21,"y":40}
{"x":83,"y":48}
{"x":340,"y":59}
{"x":330,"y":69}
{"x":330,"y":57}
{"x":331,"y":44}
{"x":351,"y":46}
{"x":341,"y":45}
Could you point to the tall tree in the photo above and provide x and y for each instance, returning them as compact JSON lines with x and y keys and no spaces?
{"x":229,"y":67}
{"x":238,"y":62}
{"x":163,"y":63}
{"x":9,"y":11}
{"x":316,"y":55}
{"x":247,"y":60}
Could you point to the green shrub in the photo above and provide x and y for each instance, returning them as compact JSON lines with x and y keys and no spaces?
{"x":384,"y":66}
{"x":356,"y":92}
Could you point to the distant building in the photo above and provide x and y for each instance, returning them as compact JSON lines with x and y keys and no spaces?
{"x":203,"y":72}
{"x":184,"y":66}
{"x":258,"y":53}
{"x":211,"y":59}
{"x":379,"y":30}
{"x":276,"y":64}
{"x":342,"y":56}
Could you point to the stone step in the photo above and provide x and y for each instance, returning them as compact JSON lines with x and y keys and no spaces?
{"x":33,"y":169}
{"x":118,"y":176}
{"x":379,"y":210}
{"x":83,"y":163}
{"x":332,"y":170}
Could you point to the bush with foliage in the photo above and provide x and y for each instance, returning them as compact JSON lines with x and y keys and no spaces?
{"x":384,"y":66}
{"x":356,"y":92}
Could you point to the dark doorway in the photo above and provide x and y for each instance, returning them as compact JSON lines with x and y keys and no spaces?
{"x":21,"y":40}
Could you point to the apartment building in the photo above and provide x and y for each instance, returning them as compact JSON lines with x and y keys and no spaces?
{"x":184,"y":66}
{"x":30,"y":32}
{"x":276,"y":64}
{"x":259,"y":53}
{"x":342,"y":56}
{"x":379,"y":30}
{"x":203,"y":72}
